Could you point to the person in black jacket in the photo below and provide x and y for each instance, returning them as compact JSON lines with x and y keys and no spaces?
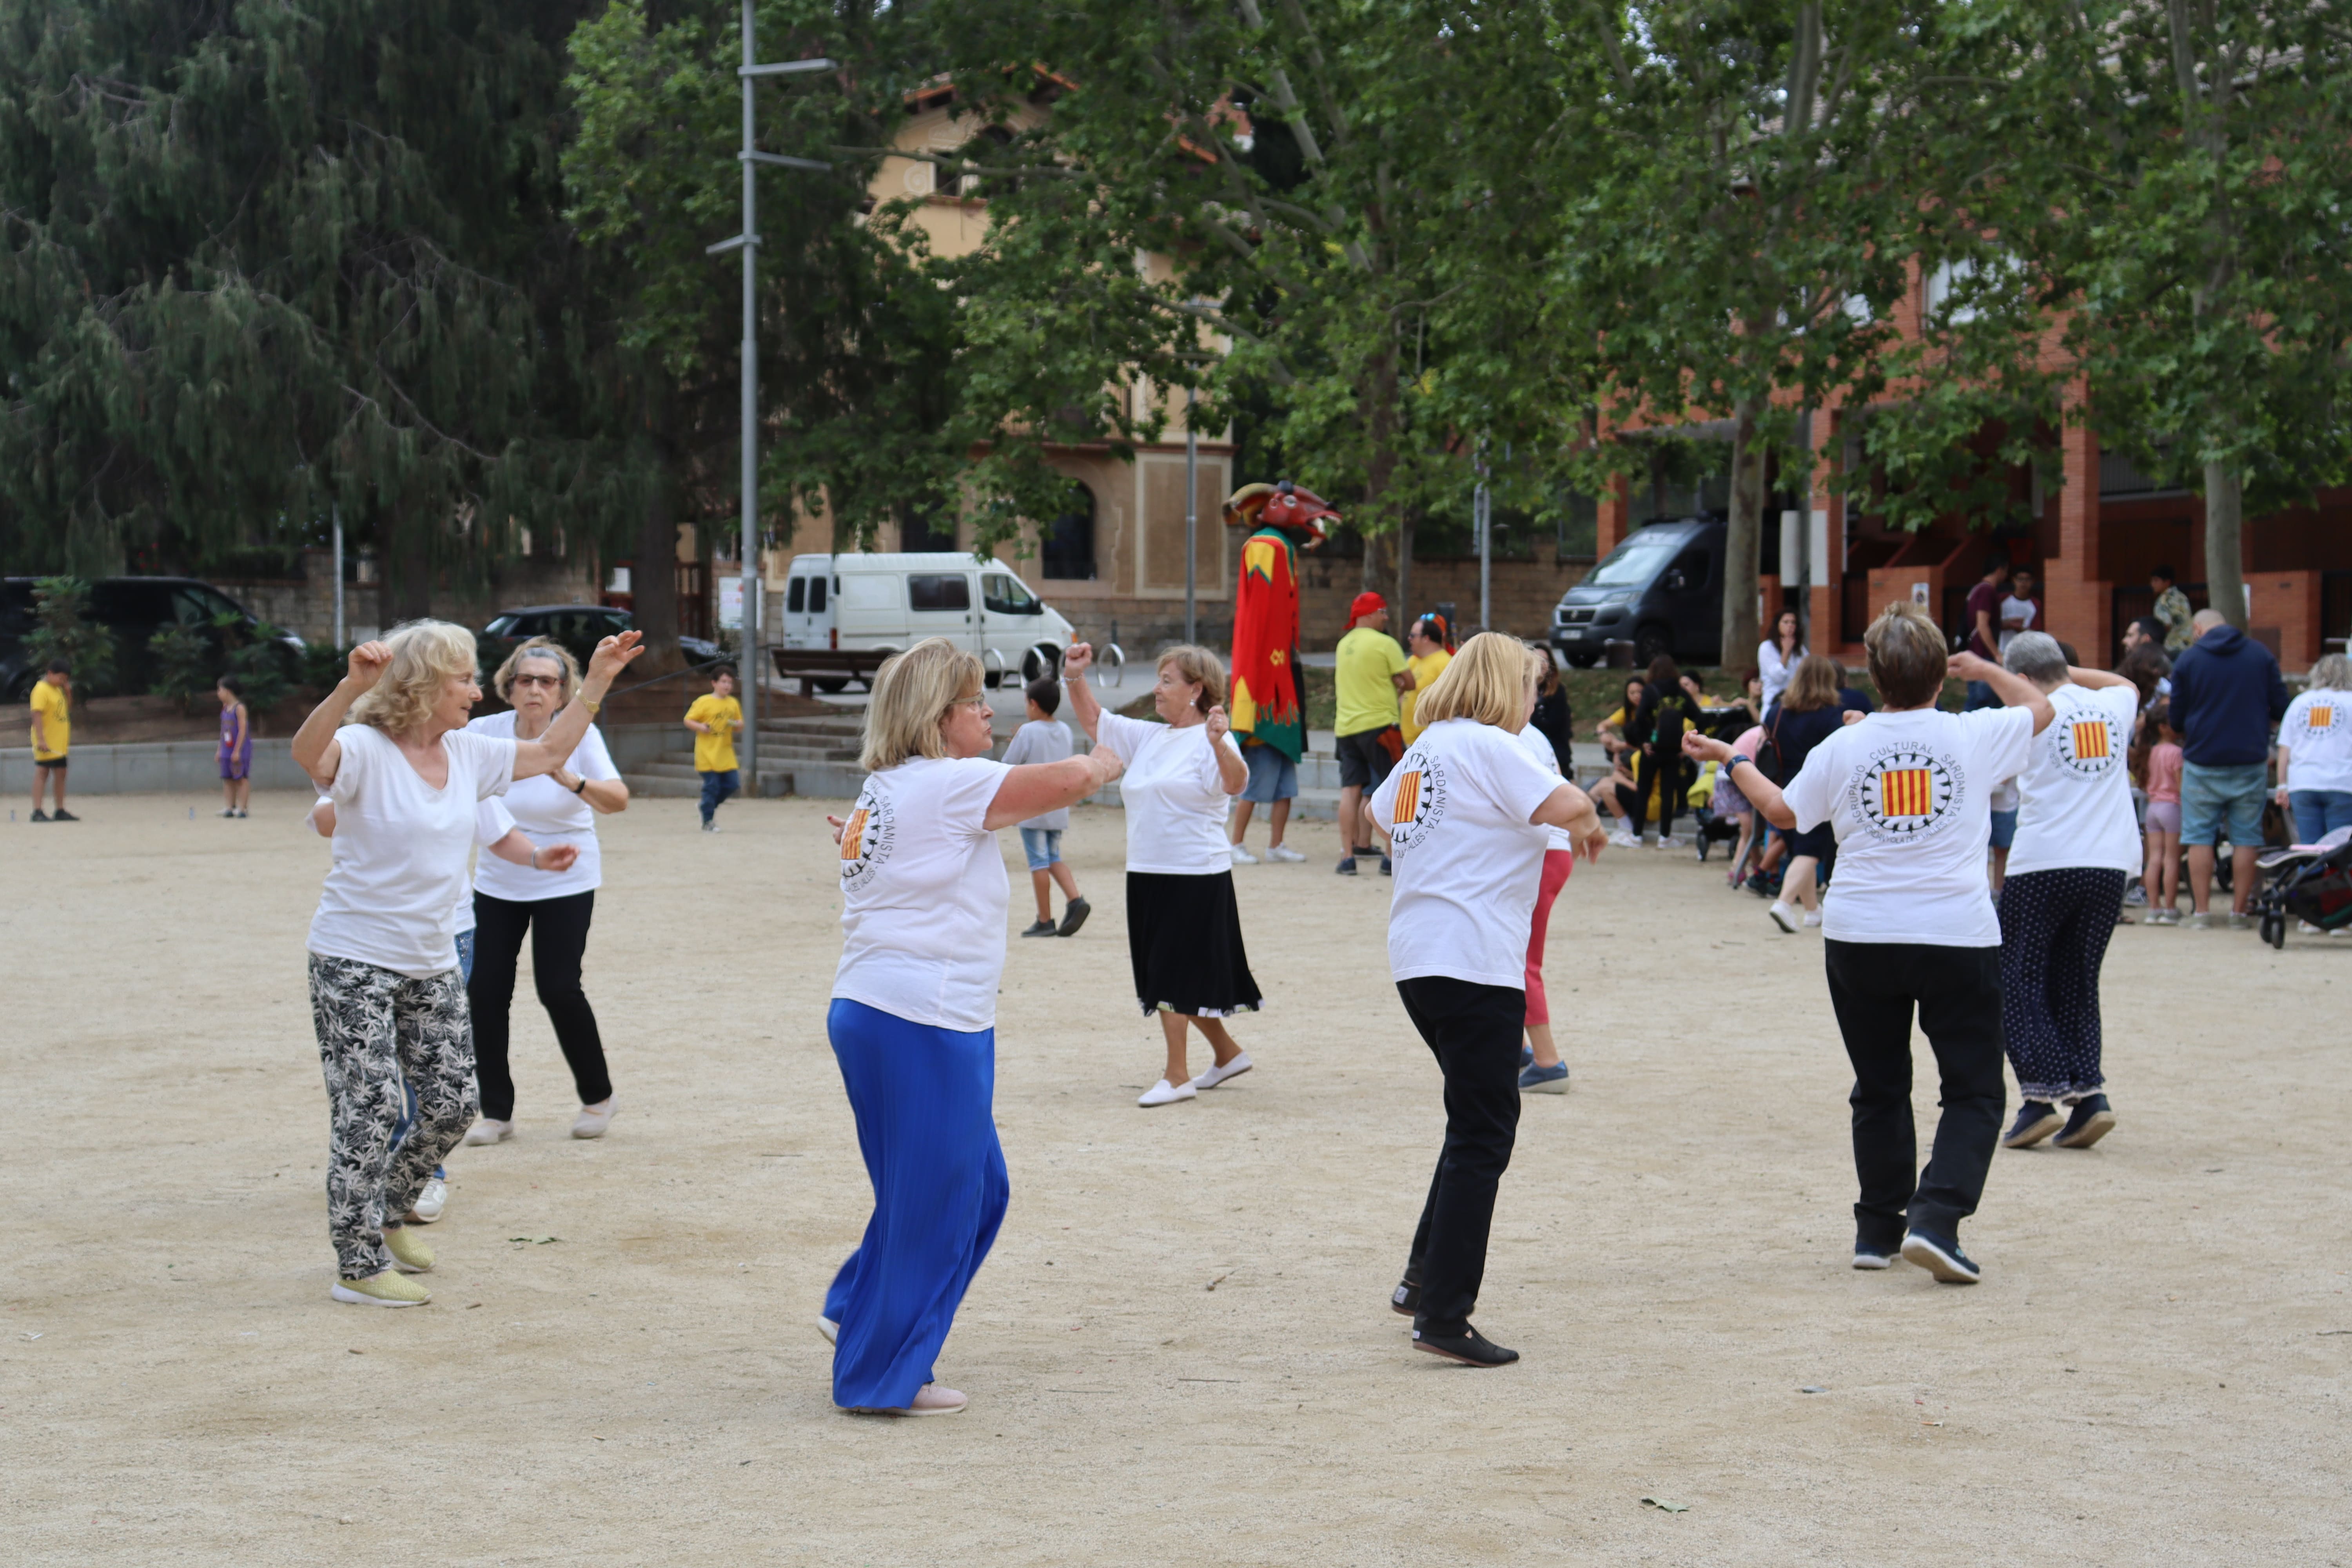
{"x":1553,"y":720}
{"x":2226,"y":695}
{"x":1655,"y":731}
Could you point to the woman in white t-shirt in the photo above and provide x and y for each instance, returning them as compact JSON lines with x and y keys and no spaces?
{"x":2315,"y":752}
{"x":404,"y":775}
{"x":1183,"y":926}
{"x":1777,"y":660}
{"x":925,"y":898}
{"x":2076,"y":845}
{"x":1910,"y":924}
{"x":1470,"y":811}
{"x":562,"y":807}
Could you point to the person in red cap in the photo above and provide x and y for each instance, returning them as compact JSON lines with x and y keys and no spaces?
{"x":1372,"y":674}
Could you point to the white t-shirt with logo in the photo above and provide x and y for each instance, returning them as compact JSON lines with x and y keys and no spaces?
{"x":1539,"y":746}
{"x":2317,"y":735}
{"x":1468,"y":862}
{"x":1175,"y":798}
{"x":924,"y":893}
{"x":551,"y":815}
{"x":2011,"y":608}
{"x":2078,"y":807}
{"x":400,"y":849}
{"x":1908,"y":796}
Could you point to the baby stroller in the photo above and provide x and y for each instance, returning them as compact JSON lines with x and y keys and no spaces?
{"x":2308,"y":881}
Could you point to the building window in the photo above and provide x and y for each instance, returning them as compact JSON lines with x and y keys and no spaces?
{"x":1069,"y":542}
{"x":926,"y":525}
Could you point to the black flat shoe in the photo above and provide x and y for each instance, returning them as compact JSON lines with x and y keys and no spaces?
{"x":1073,"y":917}
{"x":2092,"y":1120}
{"x":1405,"y":1299}
{"x":1043,"y":928}
{"x":2036,"y":1119}
{"x":1469,"y":1347}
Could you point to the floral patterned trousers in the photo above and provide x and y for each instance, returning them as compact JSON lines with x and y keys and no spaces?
{"x":376,"y":1027}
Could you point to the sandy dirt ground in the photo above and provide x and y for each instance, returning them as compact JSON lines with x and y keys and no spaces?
{"x":1181,"y":1351}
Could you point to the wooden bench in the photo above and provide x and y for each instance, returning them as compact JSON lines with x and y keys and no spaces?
{"x":828,"y":668}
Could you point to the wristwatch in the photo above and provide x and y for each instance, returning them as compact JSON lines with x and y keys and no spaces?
{"x":582,"y":786}
{"x":1736,"y":759}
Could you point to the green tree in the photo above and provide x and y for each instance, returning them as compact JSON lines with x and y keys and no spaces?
{"x":62,"y":629}
{"x":2193,"y":220}
{"x":258,"y":259}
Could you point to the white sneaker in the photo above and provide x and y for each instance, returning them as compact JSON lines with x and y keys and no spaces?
{"x":2307,"y":929}
{"x":829,"y":1329}
{"x":489,"y":1130}
{"x":1626,"y":840}
{"x":1166,"y":1093}
{"x":1812,"y":918}
{"x":1783,"y":916}
{"x":431,"y":1201}
{"x":1242,"y":856}
{"x":1217,"y":1075}
{"x":593,"y":1119}
{"x":1284,"y":853}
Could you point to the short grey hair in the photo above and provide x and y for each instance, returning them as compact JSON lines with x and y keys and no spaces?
{"x":2332,"y":673}
{"x":2037,"y":656}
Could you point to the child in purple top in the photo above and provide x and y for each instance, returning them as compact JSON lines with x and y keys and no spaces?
{"x":235,"y":754}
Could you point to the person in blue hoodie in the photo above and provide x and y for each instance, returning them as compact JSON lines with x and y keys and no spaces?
{"x":2226,"y":695}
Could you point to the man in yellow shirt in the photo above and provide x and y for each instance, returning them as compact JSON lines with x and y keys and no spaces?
{"x":1371,"y":674}
{"x":1427,"y":658}
{"x":52,"y":732}
{"x":715,"y":719}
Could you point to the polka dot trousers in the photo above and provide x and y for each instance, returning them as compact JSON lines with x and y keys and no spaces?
{"x":2054,"y":928}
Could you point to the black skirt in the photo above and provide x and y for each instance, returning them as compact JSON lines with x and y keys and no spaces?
{"x":1184,"y":935}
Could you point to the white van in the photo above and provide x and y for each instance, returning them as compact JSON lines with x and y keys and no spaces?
{"x":889,"y":601}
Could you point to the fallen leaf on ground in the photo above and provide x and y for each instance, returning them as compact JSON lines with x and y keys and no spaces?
{"x":1661,"y":1503}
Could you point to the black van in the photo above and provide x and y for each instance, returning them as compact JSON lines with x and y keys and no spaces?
{"x":1661,"y":590}
{"x":134,"y":608}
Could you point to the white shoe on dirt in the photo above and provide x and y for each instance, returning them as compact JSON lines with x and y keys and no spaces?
{"x":1166,"y":1093}
{"x":489,"y":1130}
{"x":1242,"y":856}
{"x":593,"y":1119}
{"x":1671,"y":841}
{"x":430,"y":1202}
{"x":1783,"y":916}
{"x":1812,"y":918}
{"x":1285,"y":854}
{"x":1216,"y":1075}
{"x":1626,"y":840}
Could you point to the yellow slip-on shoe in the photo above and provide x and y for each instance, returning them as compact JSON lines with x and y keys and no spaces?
{"x":409,"y":1253}
{"x":384,"y":1290}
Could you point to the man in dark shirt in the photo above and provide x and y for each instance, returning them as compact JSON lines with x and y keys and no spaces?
{"x":1984,"y":624}
{"x":2226,"y":695}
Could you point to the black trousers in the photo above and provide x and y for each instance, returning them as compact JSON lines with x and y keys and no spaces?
{"x":1654,"y":771}
{"x":1873,"y":986}
{"x":559,"y":936}
{"x":1473,"y":1031}
{"x":2054,"y":928}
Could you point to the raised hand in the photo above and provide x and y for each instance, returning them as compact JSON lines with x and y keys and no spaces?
{"x":1219,"y":725}
{"x":367,"y":663}
{"x":1970,"y":666}
{"x":1078,"y":657}
{"x":613,"y":656}
{"x":1705,"y":748}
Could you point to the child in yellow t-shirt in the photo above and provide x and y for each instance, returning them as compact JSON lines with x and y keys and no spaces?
{"x":715,"y":719}
{"x":52,"y":732}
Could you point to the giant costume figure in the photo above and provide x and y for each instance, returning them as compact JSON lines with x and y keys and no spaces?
{"x":1266,"y":705}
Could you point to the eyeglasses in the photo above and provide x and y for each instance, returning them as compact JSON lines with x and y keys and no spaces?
{"x":977,"y":704}
{"x":553,"y":680}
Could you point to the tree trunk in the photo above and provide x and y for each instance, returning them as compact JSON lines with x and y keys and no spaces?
{"x":1743,"y":541}
{"x":1403,"y":575}
{"x":2225,"y":578}
{"x":653,"y":580}
{"x":1380,"y":416}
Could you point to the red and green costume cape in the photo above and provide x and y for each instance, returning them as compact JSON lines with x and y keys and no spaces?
{"x":1266,"y":705}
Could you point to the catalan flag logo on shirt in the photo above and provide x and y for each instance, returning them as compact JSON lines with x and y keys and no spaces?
{"x":1906,"y":792}
{"x":1408,"y":798}
{"x":853,"y":835}
{"x":2320,"y":718}
{"x":2090,"y":740}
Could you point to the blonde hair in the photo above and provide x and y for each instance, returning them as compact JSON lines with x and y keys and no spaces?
{"x":1907,"y":658}
{"x":424,"y":655}
{"x":912,"y":694}
{"x":1200,"y":668}
{"x":1813,"y":686}
{"x":1489,"y":680}
{"x":538,"y":648}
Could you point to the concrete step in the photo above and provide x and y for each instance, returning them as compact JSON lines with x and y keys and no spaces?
{"x":662,"y":786}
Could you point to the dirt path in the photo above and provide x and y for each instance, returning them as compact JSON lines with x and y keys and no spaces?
{"x":1181,"y":1351}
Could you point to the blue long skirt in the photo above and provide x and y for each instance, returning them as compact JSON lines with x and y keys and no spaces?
{"x":924,"y":1099}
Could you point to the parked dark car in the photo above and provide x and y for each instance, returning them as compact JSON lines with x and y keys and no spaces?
{"x":1661,"y":590}
{"x":579,"y":627}
{"x":134,"y":609}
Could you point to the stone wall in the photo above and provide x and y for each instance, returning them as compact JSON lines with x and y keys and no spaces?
{"x":306,"y":605}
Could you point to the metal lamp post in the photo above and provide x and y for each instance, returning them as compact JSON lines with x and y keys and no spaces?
{"x":1191,"y":520}
{"x":747,"y":242}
